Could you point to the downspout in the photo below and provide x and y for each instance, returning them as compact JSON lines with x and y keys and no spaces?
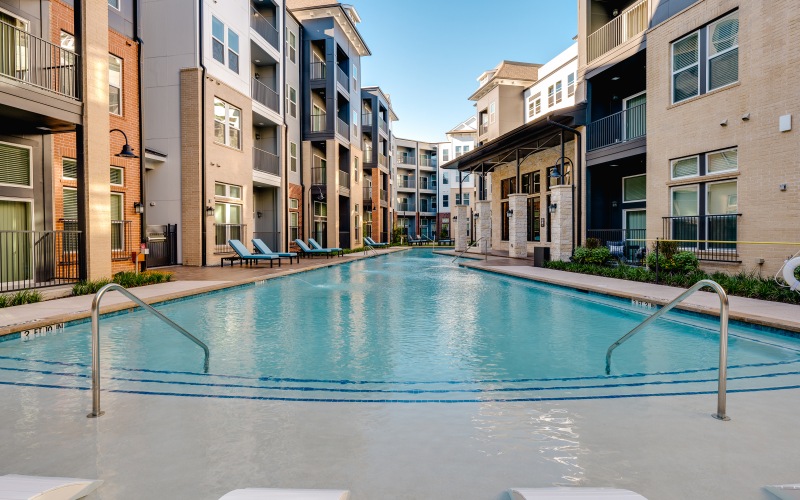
{"x":142,"y":151}
{"x":203,"y":216}
{"x":576,"y":237}
{"x":286,"y":160}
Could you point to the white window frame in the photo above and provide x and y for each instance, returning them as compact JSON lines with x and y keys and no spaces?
{"x":224,"y":45}
{"x":121,"y":79}
{"x":709,"y":57}
{"x":492,"y":112}
{"x":64,"y":189}
{"x":623,"y":189}
{"x":294,"y":225}
{"x":722,"y":151}
{"x":291,"y":40}
{"x":122,"y":175}
{"x":559,"y":91}
{"x":30,"y":166}
{"x":293,"y":156}
{"x":227,"y":194}
{"x":62,"y":168}
{"x":551,"y":96}
{"x":227,"y":124}
{"x":571,"y":84}
{"x":673,"y":72}
{"x":294,"y":203}
{"x":672,"y":168}
{"x":696,"y":188}
{"x":230,"y":50}
{"x":291,"y":104}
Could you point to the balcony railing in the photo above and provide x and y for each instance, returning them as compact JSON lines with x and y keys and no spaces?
{"x":426,"y":162}
{"x":406,"y":207}
{"x":368,"y":158}
{"x":384,"y":195}
{"x":264,"y":28}
{"x":319,"y":122}
{"x":225,"y":232}
{"x":617,"y":128}
{"x":711,"y":237}
{"x":382,"y":161}
{"x":318,"y":70}
{"x":319,"y":176}
{"x":384,"y":126}
{"x":366,"y":193}
{"x":627,"y":245}
{"x":344,"y":179}
{"x":37,"y":62}
{"x":366,"y":121}
{"x":121,"y":240}
{"x":267,"y":162}
{"x":410,"y":183}
{"x":265,"y":95}
{"x":424,"y":183}
{"x":342,"y":78}
{"x":624,"y":27}
{"x":406,"y":160}
{"x":38,"y":259}
{"x":342,"y":128}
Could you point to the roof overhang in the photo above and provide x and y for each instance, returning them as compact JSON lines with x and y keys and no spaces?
{"x":527,"y":137}
{"x":496,"y":82}
{"x":337,"y":12}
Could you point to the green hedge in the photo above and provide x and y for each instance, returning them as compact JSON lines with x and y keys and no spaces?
{"x":19,"y":298}
{"x":128,"y":279}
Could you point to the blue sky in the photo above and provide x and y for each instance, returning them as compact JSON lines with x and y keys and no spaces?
{"x":427,"y":53}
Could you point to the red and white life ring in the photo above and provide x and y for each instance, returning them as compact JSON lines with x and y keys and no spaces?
{"x":788,"y":273}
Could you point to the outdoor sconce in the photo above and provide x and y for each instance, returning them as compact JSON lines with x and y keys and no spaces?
{"x":259,"y":214}
{"x":210,"y":211}
{"x":138,"y":207}
{"x":476,"y":214}
{"x":552,"y":208}
{"x":455,"y":218}
{"x":127,"y":150}
{"x":509,"y":213}
{"x":614,"y":204}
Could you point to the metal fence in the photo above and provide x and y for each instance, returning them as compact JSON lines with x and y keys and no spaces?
{"x":38,"y":259}
{"x":264,"y":28}
{"x":629,"y":246}
{"x":162,"y":244}
{"x":710,"y":237}
{"x":619,"y":127}
{"x":225,"y":232}
{"x":264,"y":161}
{"x":628,"y":24}
{"x":121,"y":240}
{"x":366,"y":120}
{"x":265,"y":95}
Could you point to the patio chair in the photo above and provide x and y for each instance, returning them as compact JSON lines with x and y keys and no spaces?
{"x":414,"y":240}
{"x":317,"y":246}
{"x":307,"y":251}
{"x":265,"y":250}
{"x":617,"y":249}
{"x":570,"y":493}
{"x":245,"y":255}
{"x":374,"y":243}
{"x":15,"y":486}
{"x":279,"y":494}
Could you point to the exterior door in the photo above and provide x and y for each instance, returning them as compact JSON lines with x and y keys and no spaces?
{"x":634,"y":226}
{"x":15,"y":241}
{"x":634,"y":116}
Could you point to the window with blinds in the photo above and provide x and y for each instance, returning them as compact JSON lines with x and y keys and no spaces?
{"x":15,"y":165}
{"x":722,"y":161}
{"x":686,"y":68}
{"x":70,"y":204}
{"x":117,"y":176}
{"x":634,"y":188}
{"x":723,"y":51}
{"x":69,"y":168}
{"x":685,"y":167}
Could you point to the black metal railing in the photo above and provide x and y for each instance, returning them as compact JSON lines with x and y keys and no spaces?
{"x":265,"y":95}
{"x":271,"y":238}
{"x":38,"y":259}
{"x":264,"y":161}
{"x":162,"y":244}
{"x":406,"y":160}
{"x":620,"y":127}
{"x":319,"y":70}
{"x":35,"y":61}
{"x":121,"y":239}
{"x":410,"y":183}
{"x":264,"y":28}
{"x":319,"y":176}
{"x":225,"y":232}
{"x":627,"y":245}
{"x":342,"y":78}
{"x":342,"y":128}
{"x":319,"y":122}
{"x":711,"y":237}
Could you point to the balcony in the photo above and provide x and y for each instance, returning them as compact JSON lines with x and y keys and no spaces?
{"x":409,"y":183}
{"x":626,"y":26}
{"x":426,"y":184}
{"x":384,"y":197}
{"x":384,"y":126}
{"x":319,"y":70}
{"x":366,"y":121}
{"x":319,"y":176}
{"x":406,"y":207}
{"x":38,"y":259}
{"x":484,"y":128}
{"x":406,"y":160}
{"x":427,"y":162}
{"x":225,"y":232}
{"x":366,"y":193}
{"x":37,"y":62}
{"x":620,"y":127}
{"x":342,"y":79}
{"x":267,"y":162}
{"x":382,"y":161}
{"x":264,"y":28}
{"x":710,"y":237}
{"x":344,"y":179}
{"x":342,"y":128}
{"x":319,"y":122}
{"x":265,"y":95}
{"x":368,"y":158}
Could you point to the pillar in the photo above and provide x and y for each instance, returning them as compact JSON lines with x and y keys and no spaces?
{"x":561,"y":223}
{"x":518,"y":226}
{"x":460,"y":224}
{"x":483,"y":226}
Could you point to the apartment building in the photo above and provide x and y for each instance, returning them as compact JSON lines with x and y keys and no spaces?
{"x":55,"y":141}
{"x":214,"y":110}
{"x":454,"y":188}
{"x":379,"y":161}
{"x":416,"y":187}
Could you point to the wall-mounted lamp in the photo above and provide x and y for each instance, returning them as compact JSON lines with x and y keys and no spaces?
{"x":509,"y":214}
{"x":127,"y":150}
{"x":259,"y":214}
{"x":209,"y":211}
{"x":455,"y":217}
{"x":614,"y":204}
{"x":138,"y":207}
{"x":476,"y":214}
{"x":552,"y":208}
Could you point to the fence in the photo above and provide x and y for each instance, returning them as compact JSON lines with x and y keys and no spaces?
{"x":225,"y":232}
{"x":627,"y":245}
{"x":620,"y":127}
{"x":711,"y":237}
{"x":264,"y":161}
{"x":37,"y":259}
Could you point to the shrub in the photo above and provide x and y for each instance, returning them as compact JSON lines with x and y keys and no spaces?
{"x":19,"y":298}
{"x":592,"y":243}
{"x":89,"y":287}
{"x":128,"y":279}
{"x":444,"y":234}
{"x":595,"y":256}
{"x":680,"y":262}
{"x":397,"y":234}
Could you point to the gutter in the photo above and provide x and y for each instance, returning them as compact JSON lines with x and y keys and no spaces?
{"x":203,"y":216}
{"x":142,"y":164}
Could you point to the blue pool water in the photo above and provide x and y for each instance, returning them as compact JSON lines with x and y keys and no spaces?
{"x":406,"y":327}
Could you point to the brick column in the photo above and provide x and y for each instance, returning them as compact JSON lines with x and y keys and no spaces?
{"x":460,"y":223}
{"x":483,"y":228}
{"x":518,"y":225}
{"x":561,"y":223}
{"x":193,"y":201}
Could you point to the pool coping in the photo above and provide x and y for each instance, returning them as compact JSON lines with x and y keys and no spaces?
{"x":48,"y":323}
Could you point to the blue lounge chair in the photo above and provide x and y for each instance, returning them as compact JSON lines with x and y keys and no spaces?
{"x":245,"y":255}
{"x":317,"y":246}
{"x":307,"y":251}
{"x":414,"y":241}
{"x":265,"y":250}
{"x":374,"y":243}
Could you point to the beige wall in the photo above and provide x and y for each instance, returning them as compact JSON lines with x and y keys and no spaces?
{"x":768,"y":62}
{"x":509,"y":104}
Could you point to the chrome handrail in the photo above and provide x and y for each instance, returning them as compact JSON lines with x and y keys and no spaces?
{"x":96,"y":338}
{"x":368,"y":248}
{"x":723,"y":338}
{"x":485,"y":255}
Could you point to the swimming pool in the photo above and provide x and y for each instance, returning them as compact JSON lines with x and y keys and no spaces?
{"x":404,"y":328}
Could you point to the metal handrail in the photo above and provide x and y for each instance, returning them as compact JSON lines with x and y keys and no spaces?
{"x":368,"y":248}
{"x":485,"y":255}
{"x":723,"y":337}
{"x":96,"y":338}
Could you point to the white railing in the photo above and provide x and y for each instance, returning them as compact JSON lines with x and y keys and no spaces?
{"x":627,"y":25}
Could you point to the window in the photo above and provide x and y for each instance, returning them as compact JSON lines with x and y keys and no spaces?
{"x":114,"y":3}
{"x":445,"y":155}
{"x":227,"y":124}
{"x":445,"y":178}
{"x":558,"y":92}
{"x":466,"y":148}
{"x":465,"y":199}
{"x":228,"y":191}
{"x":508,"y":187}
{"x":531,"y":183}
{"x":723,"y":51}
{"x":685,"y":167}
{"x":233,"y":50}
{"x":551,"y":96}
{"x":686,"y":68}
{"x":571,"y":85}
{"x":355,"y":76}
{"x":294,"y":203}
{"x":458,"y":151}
{"x":293,"y":156}
{"x":534,"y":214}
{"x":70,"y":212}
{"x":445,"y":200}
{"x":117,"y":176}
{"x":292,"y":46}
{"x":67,"y":43}
{"x":433,"y":181}
{"x":217,"y":40}
{"x":294,"y":225}
{"x":291,"y":100}
{"x":117,"y":223}
{"x":458,"y":199}
{"x":321,"y":223}
{"x":505,"y":230}
{"x":535,"y":105}
{"x":228,"y":224}
{"x":15,"y":168}
{"x":634,"y":188}
{"x":722,"y":161}
{"x":69,"y":168}
{"x":114,"y":85}
{"x":356,"y":163}
{"x":492,"y":112}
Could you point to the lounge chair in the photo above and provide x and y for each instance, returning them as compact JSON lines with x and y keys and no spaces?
{"x":17,"y":487}
{"x":570,"y":493}
{"x":245,"y":255}
{"x":317,"y":246}
{"x":784,"y":491}
{"x":278,"y":494}
{"x":617,"y":249}
{"x":414,"y":241}
{"x":374,"y":243}
{"x":308,"y":251}
{"x":263,"y":249}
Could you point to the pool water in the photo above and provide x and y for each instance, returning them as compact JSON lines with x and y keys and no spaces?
{"x":409,"y":327}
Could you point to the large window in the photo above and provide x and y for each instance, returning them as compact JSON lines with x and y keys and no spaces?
{"x":219,"y":47}
{"x":720,"y":55}
{"x":508,"y":187}
{"x":531,"y":183}
{"x":492,"y":112}
{"x":15,"y":165}
{"x":117,"y":222}
{"x":293,"y":156}
{"x":634,"y":188}
{"x":227,"y":124}
{"x":294,"y":225}
{"x":445,"y":155}
{"x":233,"y":51}
{"x":685,"y":167}
{"x":114,"y":85}
{"x":534,"y":214}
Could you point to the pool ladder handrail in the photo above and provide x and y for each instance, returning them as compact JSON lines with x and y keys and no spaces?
{"x":485,"y":254}
{"x":368,"y":248}
{"x":96,"y":338}
{"x":723,"y":337}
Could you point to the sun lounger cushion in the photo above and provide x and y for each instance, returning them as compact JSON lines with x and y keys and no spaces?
{"x":279,"y":494}
{"x":18,"y":487}
{"x":569,"y":493}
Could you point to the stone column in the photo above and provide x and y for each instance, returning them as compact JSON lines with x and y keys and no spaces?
{"x":483,"y":227}
{"x":518,"y":225}
{"x":561,"y":223}
{"x":460,"y":224}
